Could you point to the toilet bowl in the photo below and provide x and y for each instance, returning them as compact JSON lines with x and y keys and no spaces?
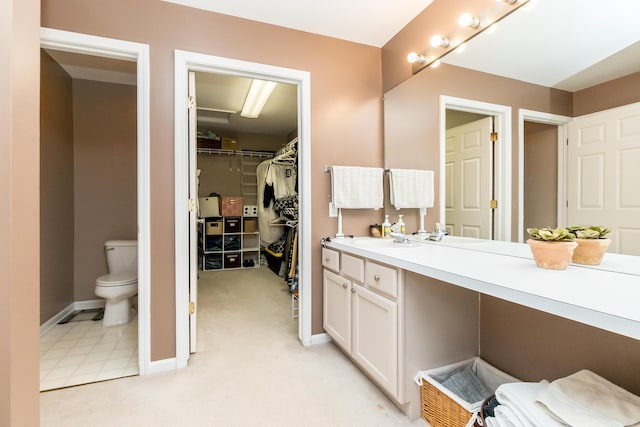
{"x":117,"y":289}
{"x":121,"y":283}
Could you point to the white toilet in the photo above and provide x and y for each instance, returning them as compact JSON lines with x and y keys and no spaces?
{"x":121,"y":283}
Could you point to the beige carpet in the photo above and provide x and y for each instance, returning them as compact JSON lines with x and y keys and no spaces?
{"x":250,"y":370}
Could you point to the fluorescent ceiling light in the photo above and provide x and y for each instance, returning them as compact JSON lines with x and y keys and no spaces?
{"x":259,"y":92}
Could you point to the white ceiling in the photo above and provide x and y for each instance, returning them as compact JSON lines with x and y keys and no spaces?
{"x":371,"y":22}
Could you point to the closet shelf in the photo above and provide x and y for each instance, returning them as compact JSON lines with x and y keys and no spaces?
{"x":241,"y":153}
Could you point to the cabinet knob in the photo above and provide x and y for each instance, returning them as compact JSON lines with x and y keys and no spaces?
{"x":327,"y":259}
{"x":353,"y":291}
{"x":344,"y":286}
{"x":376,"y":278}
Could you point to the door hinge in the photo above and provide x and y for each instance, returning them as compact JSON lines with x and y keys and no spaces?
{"x":493,"y":204}
{"x":494,"y":136}
{"x":191,"y":205}
{"x":192,"y":307}
{"x":191,"y":102}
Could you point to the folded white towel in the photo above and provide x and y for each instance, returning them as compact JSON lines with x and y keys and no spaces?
{"x":505,"y":417}
{"x":585,"y":399}
{"x":491,"y":422}
{"x":354,"y":187}
{"x":411,"y":188}
{"x":520,"y":397}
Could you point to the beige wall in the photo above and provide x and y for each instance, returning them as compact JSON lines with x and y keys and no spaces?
{"x":56,"y":189}
{"x":216,"y":176}
{"x":104,"y":126}
{"x":533,"y":345}
{"x":19,"y":212}
{"x":607,"y":95}
{"x":540,"y":176}
{"x":412,"y":119}
{"x":346,"y":115}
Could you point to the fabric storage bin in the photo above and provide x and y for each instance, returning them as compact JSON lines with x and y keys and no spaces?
{"x":232,"y":206}
{"x":232,"y":260}
{"x":232,"y":225}
{"x":208,"y":206}
{"x":213,"y":243}
{"x":442,"y":407}
{"x":229,"y":143}
{"x":213,"y":228}
{"x":212,"y":262}
{"x":232,"y":243}
{"x":250,"y":225}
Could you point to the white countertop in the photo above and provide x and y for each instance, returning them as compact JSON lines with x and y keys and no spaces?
{"x":607,"y":296}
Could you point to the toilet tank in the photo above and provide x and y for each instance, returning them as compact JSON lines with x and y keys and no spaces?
{"x":122,"y":256}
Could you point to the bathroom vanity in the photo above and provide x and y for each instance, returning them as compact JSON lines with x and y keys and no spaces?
{"x":398,"y":308}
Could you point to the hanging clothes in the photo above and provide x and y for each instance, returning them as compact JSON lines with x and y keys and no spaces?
{"x":266,"y":214}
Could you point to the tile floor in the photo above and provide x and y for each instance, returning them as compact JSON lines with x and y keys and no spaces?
{"x":83,"y":351}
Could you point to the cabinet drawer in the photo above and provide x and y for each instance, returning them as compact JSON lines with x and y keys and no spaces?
{"x":353,"y":267}
{"x":331,"y":259}
{"x":381,"y":278}
{"x":232,"y":225}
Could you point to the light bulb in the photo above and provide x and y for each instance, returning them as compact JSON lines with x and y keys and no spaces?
{"x":468,"y":20}
{"x":416,"y":58}
{"x":438,"y":41}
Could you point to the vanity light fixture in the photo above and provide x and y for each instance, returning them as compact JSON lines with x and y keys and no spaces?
{"x":258,"y":95}
{"x":439,"y":41}
{"x":415,"y":58}
{"x":468,"y":20}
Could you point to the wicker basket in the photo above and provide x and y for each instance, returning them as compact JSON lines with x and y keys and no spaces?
{"x":440,"y":410}
{"x":441,"y":407}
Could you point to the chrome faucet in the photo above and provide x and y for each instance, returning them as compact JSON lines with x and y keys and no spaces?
{"x":399,"y":237}
{"x":439,"y":232}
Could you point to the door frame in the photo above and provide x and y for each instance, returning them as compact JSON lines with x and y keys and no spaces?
{"x":502,"y":167}
{"x":191,"y":61}
{"x":549,"y":119}
{"x":129,"y":51}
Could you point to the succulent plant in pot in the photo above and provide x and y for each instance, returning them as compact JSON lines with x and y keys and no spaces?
{"x":592,"y":243}
{"x":552,"y":248}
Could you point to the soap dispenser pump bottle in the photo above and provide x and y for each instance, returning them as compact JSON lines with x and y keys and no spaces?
{"x":401,"y":225}
{"x":386,"y":227}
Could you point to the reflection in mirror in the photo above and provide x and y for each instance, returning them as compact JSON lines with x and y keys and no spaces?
{"x":583,"y":65}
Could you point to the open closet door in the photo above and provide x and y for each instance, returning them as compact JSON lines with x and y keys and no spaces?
{"x":193,"y":231}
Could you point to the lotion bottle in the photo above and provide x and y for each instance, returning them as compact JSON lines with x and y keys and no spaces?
{"x":386,"y":227}
{"x":401,"y":225}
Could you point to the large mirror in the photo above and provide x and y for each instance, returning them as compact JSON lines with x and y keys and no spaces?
{"x":546,"y":75}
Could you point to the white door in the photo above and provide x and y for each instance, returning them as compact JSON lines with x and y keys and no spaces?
{"x":193,"y":231}
{"x":468,"y":176}
{"x":603,"y":172}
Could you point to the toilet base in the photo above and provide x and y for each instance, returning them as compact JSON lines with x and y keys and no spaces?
{"x":117,"y":313}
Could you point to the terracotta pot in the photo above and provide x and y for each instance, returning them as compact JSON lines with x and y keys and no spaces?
{"x":590,"y":251}
{"x":552,"y":255}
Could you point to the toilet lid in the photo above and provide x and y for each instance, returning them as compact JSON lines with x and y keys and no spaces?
{"x":117,"y":279}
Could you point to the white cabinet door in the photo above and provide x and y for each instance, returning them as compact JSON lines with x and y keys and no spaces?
{"x":336,"y":311}
{"x":375,"y":337}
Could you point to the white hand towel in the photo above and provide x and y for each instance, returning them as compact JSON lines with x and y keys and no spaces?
{"x":411,"y":188}
{"x":505,"y":417}
{"x":520,"y":397}
{"x":585,"y":399}
{"x":354,"y":187}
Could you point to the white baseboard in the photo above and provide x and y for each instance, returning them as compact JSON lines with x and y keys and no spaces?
{"x":158,"y":366}
{"x":56,"y":318}
{"x":77,"y":305}
{"x":320,"y":339}
{"x":89,"y":304}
